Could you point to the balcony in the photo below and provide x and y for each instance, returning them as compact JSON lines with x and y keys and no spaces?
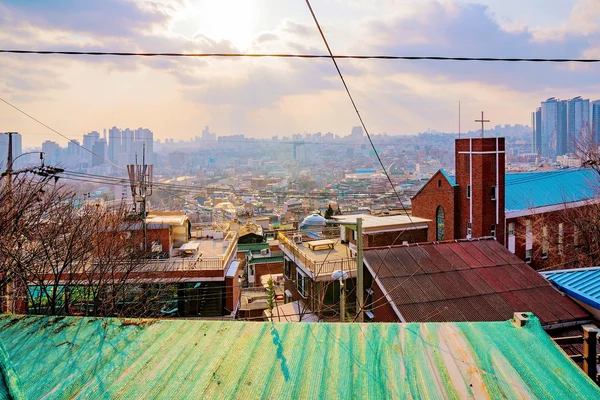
{"x":210,"y":255}
{"x":319,"y":263}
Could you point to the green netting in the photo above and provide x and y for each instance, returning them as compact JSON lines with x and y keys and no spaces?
{"x":69,"y":357}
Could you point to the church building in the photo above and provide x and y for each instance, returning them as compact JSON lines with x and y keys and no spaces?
{"x":521,"y":210}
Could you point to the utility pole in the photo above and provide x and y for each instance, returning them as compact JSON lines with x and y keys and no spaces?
{"x":360,"y":290}
{"x":9,"y":161}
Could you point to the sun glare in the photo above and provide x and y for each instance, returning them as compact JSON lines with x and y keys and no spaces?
{"x":233,"y":20}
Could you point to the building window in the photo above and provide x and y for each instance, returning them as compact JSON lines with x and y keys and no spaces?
{"x":511,"y":229}
{"x":528,"y":254}
{"x":493,"y":192}
{"x":469,"y":231}
{"x":545,"y":242}
{"x":528,"y":235}
{"x":493,"y":230}
{"x":302,"y":284}
{"x":575,"y":235}
{"x":561,"y":234}
{"x":468,"y":191}
{"x":287,"y":268}
{"x":439,"y":224}
{"x":439,"y":183}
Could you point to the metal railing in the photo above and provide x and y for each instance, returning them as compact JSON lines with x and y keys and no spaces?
{"x":318,"y":268}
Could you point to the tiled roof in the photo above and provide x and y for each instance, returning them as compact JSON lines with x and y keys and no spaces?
{"x":70,"y":357}
{"x":525,"y":190}
{"x":582,"y":284}
{"x":477,"y":280}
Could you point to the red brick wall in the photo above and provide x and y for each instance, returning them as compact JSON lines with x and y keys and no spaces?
{"x":395,"y":238}
{"x":382,"y":310}
{"x":267,"y":269}
{"x":155,"y":235}
{"x":436,"y":192}
{"x":484,"y":178}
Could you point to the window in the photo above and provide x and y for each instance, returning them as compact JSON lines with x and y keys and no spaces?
{"x":469,"y":230}
{"x":468,"y":191}
{"x":575,"y":235}
{"x":493,"y":192}
{"x":287,"y":268}
{"x":528,"y":256}
{"x":545,"y":242}
{"x":561,"y":234}
{"x":439,"y":183}
{"x":302,"y":284}
{"x":511,"y":229}
{"x":493,"y":230}
{"x":439,"y":224}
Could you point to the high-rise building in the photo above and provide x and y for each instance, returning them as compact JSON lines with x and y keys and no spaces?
{"x":536,"y":123}
{"x":88,"y":142}
{"x":578,"y":116}
{"x":17,"y":149}
{"x":52,"y":152}
{"x":114,"y":144}
{"x":145,"y":137}
{"x":562,"y":137}
{"x":596,"y":121}
{"x":99,"y":149}
{"x":549,"y":127}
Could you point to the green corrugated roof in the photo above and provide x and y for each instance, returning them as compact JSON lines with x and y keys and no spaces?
{"x":261,"y":260}
{"x":252,"y":246}
{"x":72,"y":357}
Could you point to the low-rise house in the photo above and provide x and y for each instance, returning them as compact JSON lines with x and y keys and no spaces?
{"x":312,"y":256}
{"x":581,"y":284}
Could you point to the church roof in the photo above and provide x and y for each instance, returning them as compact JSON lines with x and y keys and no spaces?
{"x":526,"y":190}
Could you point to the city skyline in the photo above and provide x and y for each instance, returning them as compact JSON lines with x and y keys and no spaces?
{"x":267,"y":97}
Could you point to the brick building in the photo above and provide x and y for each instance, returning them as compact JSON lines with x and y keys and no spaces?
{"x":521,"y":210}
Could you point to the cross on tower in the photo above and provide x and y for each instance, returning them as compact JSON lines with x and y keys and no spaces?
{"x":482,"y":122}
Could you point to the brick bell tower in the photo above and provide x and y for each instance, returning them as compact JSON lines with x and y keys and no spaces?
{"x":480,"y":176}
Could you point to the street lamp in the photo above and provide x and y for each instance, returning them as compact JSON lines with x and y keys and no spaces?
{"x":341,"y":276}
{"x":41,"y":153}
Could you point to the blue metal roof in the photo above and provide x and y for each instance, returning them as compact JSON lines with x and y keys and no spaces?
{"x":525,"y":190}
{"x":582,"y":284}
{"x":451,"y":178}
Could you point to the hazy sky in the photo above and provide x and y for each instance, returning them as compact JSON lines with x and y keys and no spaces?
{"x":264,"y":97}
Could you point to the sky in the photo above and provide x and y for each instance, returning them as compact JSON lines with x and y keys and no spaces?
{"x":177,"y":97}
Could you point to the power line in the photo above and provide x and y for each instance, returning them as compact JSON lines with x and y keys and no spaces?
{"x":299,"y":55}
{"x":357,"y":112}
{"x":58,"y":133}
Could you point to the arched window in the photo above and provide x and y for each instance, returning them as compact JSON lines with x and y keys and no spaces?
{"x":439,"y":224}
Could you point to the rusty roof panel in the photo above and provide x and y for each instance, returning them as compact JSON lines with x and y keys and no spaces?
{"x":479,"y":252}
{"x":473,"y":278}
{"x":491,"y":287}
{"x":464,"y":255}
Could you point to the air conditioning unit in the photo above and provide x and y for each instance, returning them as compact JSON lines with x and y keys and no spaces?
{"x":264,"y":252}
{"x":297,"y":238}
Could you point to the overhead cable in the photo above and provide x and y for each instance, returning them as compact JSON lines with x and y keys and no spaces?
{"x":298,"y":55}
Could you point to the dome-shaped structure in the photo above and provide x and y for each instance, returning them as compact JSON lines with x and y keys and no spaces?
{"x":313,"y":221}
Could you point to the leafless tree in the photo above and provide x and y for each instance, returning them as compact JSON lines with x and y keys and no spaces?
{"x":59,"y":257}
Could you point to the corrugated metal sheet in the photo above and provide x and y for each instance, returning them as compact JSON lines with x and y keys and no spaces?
{"x":526,"y":190}
{"x":252,"y":246}
{"x":59,"y":358}
{"x":582,"y":284}
{"x":453,"y":281}
{"x":262,"y":260}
